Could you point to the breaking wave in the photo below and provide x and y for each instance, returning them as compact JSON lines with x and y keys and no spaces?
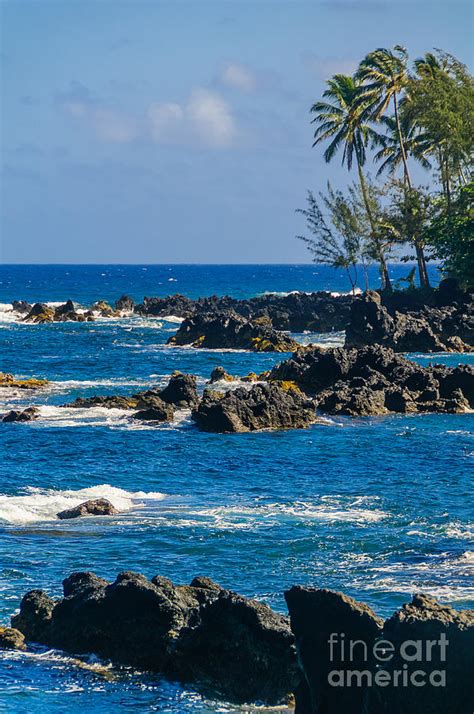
{"x":38,"y":504}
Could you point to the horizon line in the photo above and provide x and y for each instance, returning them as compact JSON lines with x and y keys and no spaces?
{"x":372,"y":265}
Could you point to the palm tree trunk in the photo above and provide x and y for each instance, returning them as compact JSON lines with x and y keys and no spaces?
{"x":448,"y":184}
{"x":401,"y":142}
{"x":420,"y":255}
{"x":386,"y":282}
{"x":422,"y":270}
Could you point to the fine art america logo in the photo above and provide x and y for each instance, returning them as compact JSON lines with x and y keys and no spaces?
{"x":407,"y":664}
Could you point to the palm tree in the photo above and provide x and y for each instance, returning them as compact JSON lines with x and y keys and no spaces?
{"x":340,"y":119}
{"x":416,"y":143}
{"x":384,"y":75}
{"x":428,"y":66}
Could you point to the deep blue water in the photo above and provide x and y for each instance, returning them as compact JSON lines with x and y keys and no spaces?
{"x":378,"y":508}
{"x":107,"y":282}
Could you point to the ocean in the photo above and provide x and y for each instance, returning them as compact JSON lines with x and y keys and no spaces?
{"x":376,"y":507}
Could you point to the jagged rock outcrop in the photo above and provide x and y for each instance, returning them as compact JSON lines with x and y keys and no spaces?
{"x":335,"y":654}
{"x":296,"y":311}
{"x":125,"y":304}
{"x":375,"y":380}
{"x":93,"y":507}
{"x":11,"y":382}
{"x":11,"y":639}
{"x":40,"y":313}
{"x":113,"y":401}
{"x":263,"y":406}
{"x":451,"y":631}
{"x":28,"y":414}
{"x":176,"y":305}
{"x":68,"y":312}
{"x":219,"y":374}
{"x":420,"y":660}
{"x":318,"y":619}
{"x":259,"y":661}
{"x":180,"y":392}
{"x":21,"y":306}
{"x":198,"y":633}
{"x":104,"y":309}
{"x":160,"y":411}
{"x":430,"y":329}
{"x":228,"y":330}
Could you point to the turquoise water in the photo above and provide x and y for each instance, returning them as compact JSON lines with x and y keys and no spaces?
{"x":376,"y":507}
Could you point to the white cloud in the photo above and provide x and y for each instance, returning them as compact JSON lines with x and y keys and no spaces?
{"x":205,"y":117}
{"x":237,"y":75}
{"x":211,"y":117}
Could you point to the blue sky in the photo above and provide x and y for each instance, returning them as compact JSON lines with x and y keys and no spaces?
{"x":179,"y":131}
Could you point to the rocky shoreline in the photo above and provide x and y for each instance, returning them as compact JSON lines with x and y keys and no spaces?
{"x":237,"y":649}
{"x":367,"y":381}
{"x":437,"y":320}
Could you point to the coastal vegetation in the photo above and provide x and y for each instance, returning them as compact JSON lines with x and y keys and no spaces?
{"x":415,"y":123}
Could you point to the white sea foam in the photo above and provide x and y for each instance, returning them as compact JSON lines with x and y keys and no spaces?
{"x":7,"y":314}
{"x":443,"y":593}
{"x":253,"y":517}
{"x":55,"y":416}
{"x":321,"y":339}
{"x":225,"y":385}
{"x":452,"y":529}
{"x":172,"y":318}
{"x":68,"y":417}
{"x":277,"y":293}
{"x":37,"y":505}
{"x":67,"y":384}
{"x":128,"y":319}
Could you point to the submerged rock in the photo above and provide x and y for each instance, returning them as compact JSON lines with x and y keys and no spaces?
{"x":263,"y":406}
{"x":196,"y":633}
{"x":228,"y":330}
{"x":93,"y":507}
{"x":375,"y":380}
{"x":28,"y":414}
